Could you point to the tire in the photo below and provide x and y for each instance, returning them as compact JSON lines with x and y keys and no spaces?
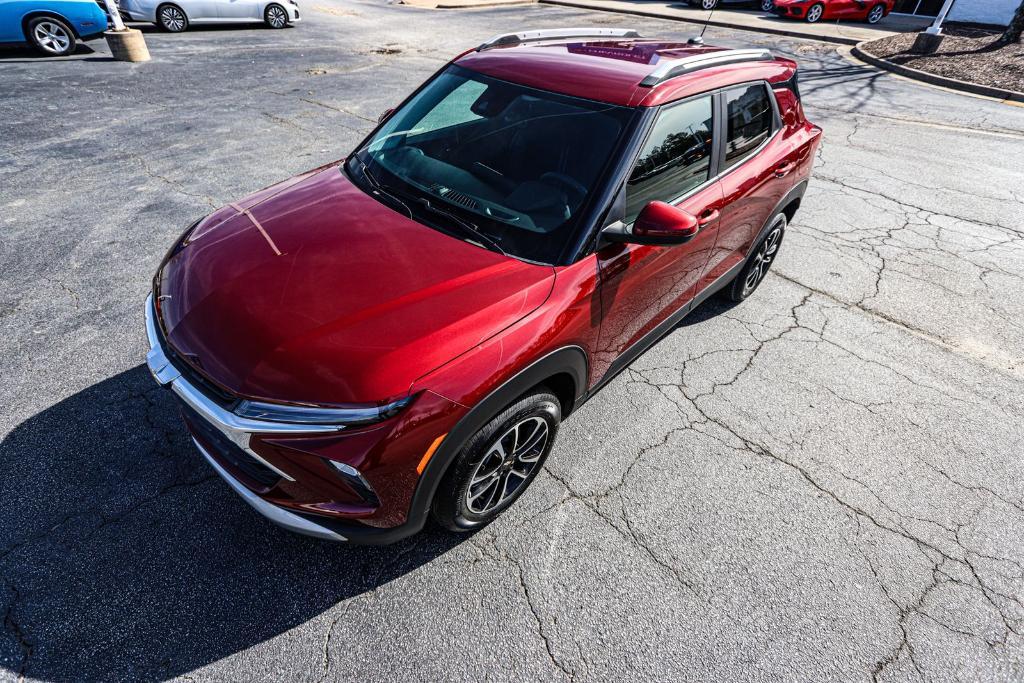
{"x":482,"y":482}
{"x":876,"y":14}
{"x":814,"y":13}
{"x":767,"y":5}
{"x":708,"y":4}
{"x":171,"y":18}
{"x":275,"y":16}
{"x":51,"y":36}
{"x":759,"y":262}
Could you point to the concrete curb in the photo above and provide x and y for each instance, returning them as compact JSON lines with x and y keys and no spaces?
{"x":582,"y":4}
{"x":464,"y":4}
{"x":953,"y":84}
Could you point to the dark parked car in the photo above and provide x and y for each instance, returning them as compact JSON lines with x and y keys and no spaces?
{"x":764,"y":5}
{"x":399,"y":334}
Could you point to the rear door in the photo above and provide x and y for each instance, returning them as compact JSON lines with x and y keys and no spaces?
{"x":642,"y":286}
{"x":239,"y":10}
{"x":755,"y":165}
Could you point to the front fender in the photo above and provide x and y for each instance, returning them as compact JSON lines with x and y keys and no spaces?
{"x":570,"y":360}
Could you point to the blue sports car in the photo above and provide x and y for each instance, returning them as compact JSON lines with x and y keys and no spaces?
{"x":51,"y":26}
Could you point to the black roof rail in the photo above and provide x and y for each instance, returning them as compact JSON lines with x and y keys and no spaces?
{"x":677,"y":67}
{"x":506,"y":39}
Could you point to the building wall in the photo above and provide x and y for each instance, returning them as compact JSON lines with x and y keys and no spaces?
{"x":984,"y":11}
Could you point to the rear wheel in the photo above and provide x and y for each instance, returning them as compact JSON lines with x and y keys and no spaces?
{"x":498,"y":463}
{"x":814,"y":13}
{"x":51,"y":36}
{"x":876,"y":14}
{"x":171,"y":18}
{"x":760,"y":261}
{"x":275,"y":16}
{"x":708,"y":4}
{"x":767,"y":5}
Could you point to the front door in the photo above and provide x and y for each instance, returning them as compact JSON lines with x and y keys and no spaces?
{"x":845,"y":9}
{"x":642,"y":286}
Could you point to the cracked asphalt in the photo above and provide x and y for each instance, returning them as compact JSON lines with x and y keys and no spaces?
{"x":824,"y":482}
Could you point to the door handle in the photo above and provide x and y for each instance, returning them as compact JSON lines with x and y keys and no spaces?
{"x":782,"y":170}
{"x":708,"y":216}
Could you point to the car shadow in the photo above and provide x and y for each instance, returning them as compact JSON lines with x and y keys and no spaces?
{"x":124,"y":557}
{"x":714,"y":306}
{"x":203,"y":28}
{"x":23,"y":54}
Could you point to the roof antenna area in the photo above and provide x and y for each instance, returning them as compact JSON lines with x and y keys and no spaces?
{"x":699,"y":39}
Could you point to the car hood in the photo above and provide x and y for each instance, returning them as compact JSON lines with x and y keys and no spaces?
{"x":313,"y":291}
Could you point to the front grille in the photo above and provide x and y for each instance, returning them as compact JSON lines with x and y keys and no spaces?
{"x":211,"y":390}
{"x":229,"y":452}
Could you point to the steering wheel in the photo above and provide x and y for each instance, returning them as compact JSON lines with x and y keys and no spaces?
{"x":572,"y":187}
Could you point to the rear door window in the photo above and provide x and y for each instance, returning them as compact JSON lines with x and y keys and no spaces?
{"x":749,"y":119}
{"x":676,"y":157}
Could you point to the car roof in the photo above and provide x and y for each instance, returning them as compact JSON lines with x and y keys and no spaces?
{"x":611,"y":69}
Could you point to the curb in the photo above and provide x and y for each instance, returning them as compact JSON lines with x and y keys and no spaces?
{"x":953,"y":84}
{"x":720,"y":24}
{"x":464,"y":4}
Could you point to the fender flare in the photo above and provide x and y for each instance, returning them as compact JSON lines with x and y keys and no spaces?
{"x":571,"y":360}
{"x":38,"y":13}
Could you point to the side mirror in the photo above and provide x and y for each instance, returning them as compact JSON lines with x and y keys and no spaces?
{"x":658,"y":223}
{"x":385,"y":114}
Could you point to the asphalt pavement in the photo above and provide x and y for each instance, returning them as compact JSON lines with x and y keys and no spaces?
{"x":824,"y":482}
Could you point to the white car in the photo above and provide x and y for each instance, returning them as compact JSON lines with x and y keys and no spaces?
{"x":176,"y":15}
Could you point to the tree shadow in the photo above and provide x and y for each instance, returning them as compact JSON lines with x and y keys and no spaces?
{"x":124,"y":557}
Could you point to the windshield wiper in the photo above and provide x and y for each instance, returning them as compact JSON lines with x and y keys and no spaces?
{"x":466,"y":226}
{"x":393,"y":194}
{"x":380,"y":188}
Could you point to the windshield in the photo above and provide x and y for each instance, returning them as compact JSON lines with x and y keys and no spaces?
{"x":502,"y":165}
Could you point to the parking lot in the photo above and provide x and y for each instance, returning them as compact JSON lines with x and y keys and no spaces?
{"x":825,"y":482}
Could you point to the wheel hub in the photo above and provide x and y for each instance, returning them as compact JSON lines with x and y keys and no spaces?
{"x":509,"y":461}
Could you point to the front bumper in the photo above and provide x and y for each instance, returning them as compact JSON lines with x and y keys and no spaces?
{"x":293,"y":12}
{"x":238,"y":431}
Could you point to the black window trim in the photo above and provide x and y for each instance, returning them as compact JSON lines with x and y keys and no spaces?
{"x":614,"y":198}
{"x":716,"y":150}
{"x":775,"y":130}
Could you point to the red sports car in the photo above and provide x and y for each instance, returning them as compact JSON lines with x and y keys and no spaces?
{"x":812,"y":11}
{"x":399,"y":334}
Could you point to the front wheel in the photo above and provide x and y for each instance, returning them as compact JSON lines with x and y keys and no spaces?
{"x":498,"y":463}
{"x":708,"y":4}
{"x":51,"y":36}
{"x":814,"y":13}
{"x":171,"y":18}
{"x":275,"y":16}
{"x":876,"y":14}
{"x":760,"y":261}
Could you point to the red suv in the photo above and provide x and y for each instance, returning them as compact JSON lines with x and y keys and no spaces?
{"x":399,"y":334}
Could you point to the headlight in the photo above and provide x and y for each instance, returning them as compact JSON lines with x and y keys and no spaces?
{"x":349,"y":415}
